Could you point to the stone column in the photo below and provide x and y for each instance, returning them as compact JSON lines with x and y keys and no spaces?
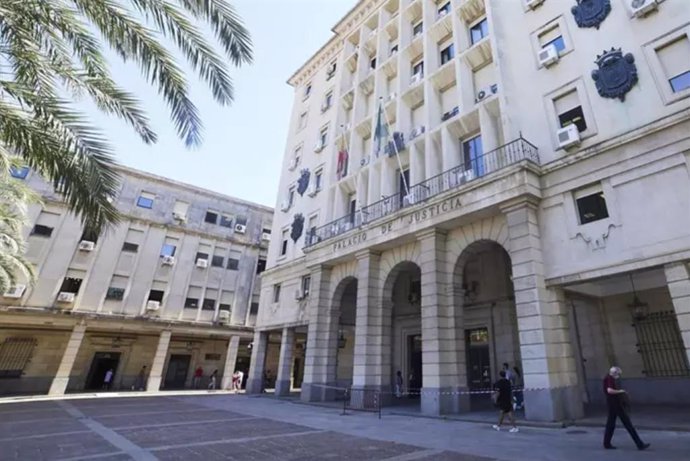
{"x":156,"y":373}
{"x":322,"y":339}
{"x":372,"y":360}
{"x":439,"y":354}
{"x":230,"y":361}
{"x":257,"y":362}
{"x":548,"y":360}
{"x":678,"y":280}
{"x":61,"y":379}
{"x":284,"y":378}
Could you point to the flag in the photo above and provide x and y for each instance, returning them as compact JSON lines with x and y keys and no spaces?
{"x":341,"y":172}
{"x":381,"y":132}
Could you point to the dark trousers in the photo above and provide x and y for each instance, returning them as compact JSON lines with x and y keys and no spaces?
{"x":617,"y":411}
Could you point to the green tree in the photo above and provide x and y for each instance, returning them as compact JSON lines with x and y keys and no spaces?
{"x":51,"y":55}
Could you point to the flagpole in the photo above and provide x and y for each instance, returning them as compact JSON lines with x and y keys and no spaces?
{"x":395,"y":146}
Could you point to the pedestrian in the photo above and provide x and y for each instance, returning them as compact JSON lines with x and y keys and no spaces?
{"x":233,"y":383}
{"x":518,"y":392}
{"x":398,"y":384}
{"x":616,"y":401}
{"x":196,"y":380}
{"x":140,"y":382}
{"x":108,"y":379}
{"x":212,"y":381}
{"x":240,"y":378}
{"x":503,"y":398}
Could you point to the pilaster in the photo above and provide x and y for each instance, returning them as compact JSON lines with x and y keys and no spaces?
{"x":230,"y":361}
{"x":156,"y":374}
{"x":61,"y":379}
{"x":257,"y":362}
{"x":284,"y":378}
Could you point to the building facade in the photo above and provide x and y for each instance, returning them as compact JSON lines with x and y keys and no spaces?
{"x":172,"y":287}
{"x":530,"y":207}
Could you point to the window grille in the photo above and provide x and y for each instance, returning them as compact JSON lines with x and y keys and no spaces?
{"x":660,"y":344}
{"x":15,"y":354}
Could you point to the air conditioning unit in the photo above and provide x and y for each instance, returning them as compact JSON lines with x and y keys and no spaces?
{"x":486,"y":92}
{"x":568,"y":136}
{"x":548,"y":55}
{"x":65,"y":297}
{"x":223,"y":316}
{"x":16,"y":291}
{"x":416,"y":132}
{"x":265,"y":236}
{"x":179,"y":217}
{"x":299,"y":295}
{"x":285,"y":205}
{"x":532,"y":4}
{"x":318,"y":147}
{"x":364,"y":161}
{"x":312,"y":190}
{"x":202,"y":263}
{"x":152,"y":306}
{"x":240,"y":228}
{"x":168,"y":260}
{"x":641,"y":8}
{"x":391,"y":97}
{"x":416,"y":78}
{"x":86,"y":245}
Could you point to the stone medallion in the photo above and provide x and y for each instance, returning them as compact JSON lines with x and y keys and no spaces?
{"x":616,"y":75}
{"x":297,"y":227}
{"x":591,"y":13}
{"x":303,"y":181}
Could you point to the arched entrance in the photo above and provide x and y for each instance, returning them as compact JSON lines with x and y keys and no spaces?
{"x":484,"y":291}
{"x":402,"y":296}
{"x":345,"y":300}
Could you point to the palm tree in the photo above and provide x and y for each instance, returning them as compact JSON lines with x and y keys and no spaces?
{"x":51,"y":54}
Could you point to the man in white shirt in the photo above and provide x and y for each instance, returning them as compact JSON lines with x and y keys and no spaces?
{"x":108,"y":379}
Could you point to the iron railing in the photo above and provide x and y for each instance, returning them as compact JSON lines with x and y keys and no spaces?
{"x":660,"y":344}
{"x":470,"y":170}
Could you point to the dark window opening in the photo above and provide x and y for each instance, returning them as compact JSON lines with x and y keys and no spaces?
{"x":418,"y":29}
{"x":261,"y":266}
{"x":283,"y":247}
{"x":217,"y":261}
{"x":254,"y":309}
{"x":43,"y":231}
{"x":191,"y":303}
{"x":233,"y":264}
{"x":130,"y":247}
{"x":479,"y":30}
{"x":208,"y":305}
{"x":306,"y":285}
{"x":447,"y":54}
{"x":403,"y":181}
{"x":472,"y":151}
{"x":353,"y":209}
{"x":224,"y":307}
{"x":115,"y":294}
{"x":276,"y":293}
{"x":592,"y":208}
{"x":680,"y":82}
{"x":70,"y":285}
{"x":575,"y":116}
{"x":156,"y":295}
{"x":201,"y":255}
{"x":211,"y":217}
{"x":445,"y":9}
{"x":226,"y":221}
{"x":372,"y":63}
{"x":90,"y":236}
{"x":418,"y":68}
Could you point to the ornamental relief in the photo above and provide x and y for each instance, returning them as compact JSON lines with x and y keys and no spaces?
{"x":591,"y":13}
{"x":616,"y":74}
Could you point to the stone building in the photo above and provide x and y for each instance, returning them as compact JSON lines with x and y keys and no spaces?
{"x":173,"y":287}
{"x":531,"y":205}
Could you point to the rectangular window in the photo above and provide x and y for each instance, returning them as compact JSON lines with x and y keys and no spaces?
{"x":145,"y":200}
{"x":313,"y":222}
{"x":115,"y":294}
{"x":444,"y":10}
{"x":306,"y":285}
{"x":291,"y":196}
{"x":284,"y":243}
{"x":168,"y":250}
{"x":570,"y":111}
{"x":352,"y":208}
{"x":418,"y":69}
{"x":302,"y":120}
{"x":479,"y":31}
{"x":224,"y":307}
{"x":553,"y":37}
{"x":70,"y":285}
{"x":180,"y":209}
{"x":130,"y":247}
{"x":418,"y":28}
{"x":19,"y":172}
{"x":307,"y":90}
{"x":208,"y":305}
{"x":297,"y":156}
{"x":15,"y":354}
{"x":447,"y":54}
{"x":558,"y":43}
{"x":591,"y":205}
{"x":201,"y":255}
{"x":394,"y":49}
{"x":43,"y":231}
{"x":156,"y":295}
{"x":261,"y":266}
{"x":217,"y":261}
{"x":331,"y":70}
{"x":323,"y":136}
{"x":211,"y":217}
{"x":472,"y":151}
{"x":675,"y":60}
{"x":318,"y":175}
{"x":276,"y":293}
{"x":328,"y":102}
{"x":233,"y":264}
{"x":254,"y":309}
{"x":191,"y":303}
{"x":372,"y":63}
{"x":226,"y":221}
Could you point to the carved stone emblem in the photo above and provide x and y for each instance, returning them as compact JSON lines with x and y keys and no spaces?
{"x":303,"y":181}
{"x":598,"y":242}
{"x":297,"y":227}
{"x":616,"y":75}
{"x":591,"y":13}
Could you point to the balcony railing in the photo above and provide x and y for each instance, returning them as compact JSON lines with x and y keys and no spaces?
{"x":471,"y":170}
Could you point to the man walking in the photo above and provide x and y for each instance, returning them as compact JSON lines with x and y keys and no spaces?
{"x":615,"y":401}
{"x":196,"y":380}
{"x":212,"y":381}
{"x":108,"y":379}
{"x":503,"y":398}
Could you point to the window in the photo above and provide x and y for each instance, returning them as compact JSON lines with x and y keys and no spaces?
{"x":89,"y":236}
{"x":115,"y":294}
{"x":591,"y":205}
{"x":145,"y":200}
{"x":418,"y":28}
{"x":70,"y":285}
{"x":224,"y":307}
{"x":394,"y":49}
{"x":306,"y":285}
{"x":180,"y":210}
{"x":372,"y":63}
{"x":445,"y":9}
{"x":302,"y":120}
{"x":418,"y":69}
{"x":208,"y":305}
{"x":472,"y":151}
{"x":479,"y":31}
{"x":233,"y":264}
{"x":307,"y":90}
{"x":675,"y":60}
{"x":191,"y":303}
{"x":156,"y":295}
{"x":291,"y":196}
{"x":130,"y":247}
{"x":331,"y":70}
{"x":553,"y":37}
{"x":313,"y":220}
{"x":558,"y":43}
{"x":15,"y":354}
{"x":211,"y":217}
{"x":447,"y":54}
{"x":328,"y":101}
{"x":276,"y":293}
{"x":217,"y":261}
{"x":43,"y":231}
{"x":225,"y":221}
{"x":570,"y":111}
{"x":284,"y":243}
{"x":352,"y":207}
{"x":261,"y":266}
{"x":298,"y":156}
{"x":168,"y":250}
{"x":323,"y":136}
{"x":19,"y":173}
{"x":254,"y":309}
{"x":318,"y":175}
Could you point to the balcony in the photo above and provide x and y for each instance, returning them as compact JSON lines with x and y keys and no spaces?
{"x":509,"y":154}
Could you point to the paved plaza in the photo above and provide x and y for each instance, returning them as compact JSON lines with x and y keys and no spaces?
{"x":260,"y":428}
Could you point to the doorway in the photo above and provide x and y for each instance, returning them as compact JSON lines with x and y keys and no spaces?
{"x":478,"y":364}
{"x":414,"y":365}
{"x":178,"y":367}
{"x":101,"y":363}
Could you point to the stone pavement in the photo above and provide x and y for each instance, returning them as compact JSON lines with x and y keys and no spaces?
{"x":258,"y":428}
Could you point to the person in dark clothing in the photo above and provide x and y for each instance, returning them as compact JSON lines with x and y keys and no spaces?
{"x":616,"y":405}
{"x":518,"y":388}
{"x":503,"y":397}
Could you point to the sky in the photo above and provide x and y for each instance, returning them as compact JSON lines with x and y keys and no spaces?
{"x":244,"y":143}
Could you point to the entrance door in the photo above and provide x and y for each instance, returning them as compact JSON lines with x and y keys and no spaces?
{"x":478,"y":363}
{"x":242,"y":365}
{"x":178,"y":367}
{"x":414,"y":364}
{"x":101,"y":363}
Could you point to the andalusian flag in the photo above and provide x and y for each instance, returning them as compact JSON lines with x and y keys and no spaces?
{"x":381,"y":133}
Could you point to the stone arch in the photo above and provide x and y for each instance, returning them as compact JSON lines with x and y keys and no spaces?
{"x":341,"y":272}
{"x":404,"y":253}
{"x":344,"y":309}
{"x":494,"y":228}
